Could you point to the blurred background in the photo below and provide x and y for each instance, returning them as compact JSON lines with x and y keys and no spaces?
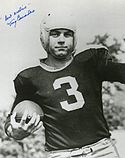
{"x":98,"y":22}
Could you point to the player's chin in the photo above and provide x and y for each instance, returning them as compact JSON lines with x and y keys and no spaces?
{"x":62,"y":55}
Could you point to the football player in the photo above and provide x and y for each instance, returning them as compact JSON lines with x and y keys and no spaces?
{"x":68,"y":88}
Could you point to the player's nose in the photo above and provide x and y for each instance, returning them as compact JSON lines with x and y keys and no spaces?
{"x":61,"y":39}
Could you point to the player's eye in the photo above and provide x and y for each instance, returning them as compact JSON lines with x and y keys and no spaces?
{"x":54,"y":34}
{"x":68,"y":34}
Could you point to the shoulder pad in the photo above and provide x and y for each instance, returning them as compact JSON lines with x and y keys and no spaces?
{"x":93,"y":46}
{"x":90,"y":51}
{"x":28,"y":72}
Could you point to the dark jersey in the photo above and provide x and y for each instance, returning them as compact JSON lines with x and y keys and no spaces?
{"x":71,"y":98}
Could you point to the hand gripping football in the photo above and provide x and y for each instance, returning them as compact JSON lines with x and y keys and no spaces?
{"x":29,"y":106}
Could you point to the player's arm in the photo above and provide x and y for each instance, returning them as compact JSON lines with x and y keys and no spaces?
{"x":21,"y":130}
{"x":108,"y":69}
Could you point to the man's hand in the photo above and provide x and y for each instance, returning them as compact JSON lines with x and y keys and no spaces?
{"x":21,"y":130}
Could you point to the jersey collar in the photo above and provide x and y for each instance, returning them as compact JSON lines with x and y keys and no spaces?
{"x":53,"y":69}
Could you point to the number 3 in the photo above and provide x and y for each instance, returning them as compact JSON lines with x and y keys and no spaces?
{"x":72,"y":91}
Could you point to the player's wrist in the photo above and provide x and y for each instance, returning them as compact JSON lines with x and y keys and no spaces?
{"x":9,"y":131}
{"x":15,"y":134}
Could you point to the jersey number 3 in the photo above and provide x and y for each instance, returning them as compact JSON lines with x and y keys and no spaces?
{"x":72,"y":91}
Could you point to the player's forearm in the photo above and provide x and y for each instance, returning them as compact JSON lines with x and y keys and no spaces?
{"x":116,"y":72}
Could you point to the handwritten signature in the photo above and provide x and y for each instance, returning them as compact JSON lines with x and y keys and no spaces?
{"x":18,"y":15}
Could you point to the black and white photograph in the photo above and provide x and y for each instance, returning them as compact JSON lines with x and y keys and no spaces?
{"x":62,"y":82}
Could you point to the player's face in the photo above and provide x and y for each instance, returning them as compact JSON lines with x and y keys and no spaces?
{"x":61,"y":43}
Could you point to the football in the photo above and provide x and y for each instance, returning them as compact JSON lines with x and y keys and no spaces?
{"x":29,"y":106}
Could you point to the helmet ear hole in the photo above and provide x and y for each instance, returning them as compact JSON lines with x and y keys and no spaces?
{"x":41,"y":38}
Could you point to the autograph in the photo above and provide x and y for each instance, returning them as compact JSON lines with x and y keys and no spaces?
{"x":18,"y":15}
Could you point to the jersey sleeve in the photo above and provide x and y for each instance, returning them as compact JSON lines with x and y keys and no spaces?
{"x":24,"y":90}
{"x":107,"y":68}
